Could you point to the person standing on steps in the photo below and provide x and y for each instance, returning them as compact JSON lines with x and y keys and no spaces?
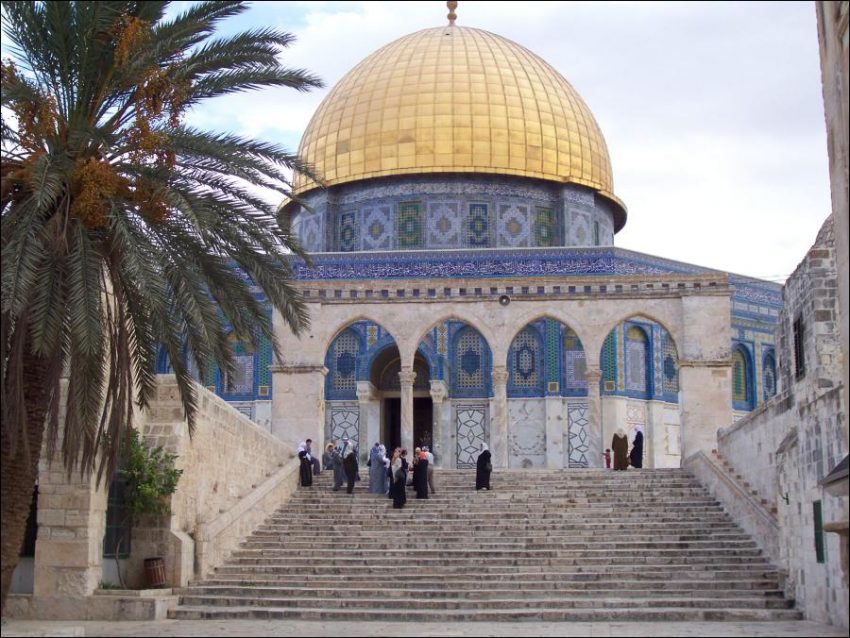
{"x":314,"y":460}
{"x":636,"y":455}
{"x":377,"y":470}
{"x":483,"y":467}
{"x":399,"y":468}
{"x":306,"y":470}
{"x":420,"y":475}
{"x":620,"y":446}
{"x":430,"y":456}
{"x":328,"y":458}
{"x":349,"y":463}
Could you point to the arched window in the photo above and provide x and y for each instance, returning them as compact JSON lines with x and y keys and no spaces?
{"x":670,"y":367}
{"x":741,"y":379}
{"x":575,"y":364}
{"x":341,"y":362}
{"x":637,"y":363}
{"x":609,"y":363}
{"x":526,"y":364}
{"x":769,"y":374}
{"x":470,"y":364}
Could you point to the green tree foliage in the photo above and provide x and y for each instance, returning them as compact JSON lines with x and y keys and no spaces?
{"x":149,"y":475}
{"x":123,"y":226}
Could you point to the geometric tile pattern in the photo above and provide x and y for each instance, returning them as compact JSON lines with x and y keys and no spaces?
{"x":478,"y":227}
{"x":544,"y":227}
{"x":409,"y":232}
{"x":444,"y":224}
{"x":553,"y":351}
{"x":344,"y":421}
{"x":525,"y":359}
{"x":636,"y":347}
{"x":671,"y":366}
{"x":348,"y":231}
{"x":579,"y":441}
{"x":377,"y":228}
{"x":513,"y":228}
{"x":309,"y":228}
{"x":769,"y":373}
{"x":471,"y":430}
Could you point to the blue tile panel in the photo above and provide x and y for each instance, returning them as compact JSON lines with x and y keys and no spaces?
{"x":546,"y":358}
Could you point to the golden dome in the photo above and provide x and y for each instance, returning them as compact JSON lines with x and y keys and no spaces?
{"x":456,"y":100}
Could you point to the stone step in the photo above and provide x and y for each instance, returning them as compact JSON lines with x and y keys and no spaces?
{"x":625,"y":588}
{"x":494,"y":603}
{"x":448,"y":553}
{"x":573,"y":545}
{"x":507,"y":614}
{"x":648,"y":579}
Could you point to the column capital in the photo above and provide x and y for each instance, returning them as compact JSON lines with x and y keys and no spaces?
{"x":500,"y":375}
{"x":439,"y":390}
{"x":407,"y":377}
{"x":366,"y":391}
{"x":593,"y":375}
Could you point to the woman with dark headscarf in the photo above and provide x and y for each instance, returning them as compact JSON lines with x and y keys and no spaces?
{"x":620,"y":447}
{"x":636,"y":455}
{"x":483,"y":467}
{"x":420,"y":476}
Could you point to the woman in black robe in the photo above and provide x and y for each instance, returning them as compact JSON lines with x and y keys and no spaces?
{"x":306,"y":469}
{"x":636,"y":455}
{"x":420,"y":476}
{"x":483,"y":467}
{"x":399,"y":485}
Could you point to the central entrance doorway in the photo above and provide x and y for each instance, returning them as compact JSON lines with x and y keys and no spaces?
{"x":423,"y":422}
{"x":385,"y":371}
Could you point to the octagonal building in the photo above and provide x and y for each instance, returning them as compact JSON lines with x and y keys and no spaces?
{"x":465,"y":287}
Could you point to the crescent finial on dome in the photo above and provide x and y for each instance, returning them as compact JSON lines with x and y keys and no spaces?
{"x":452,"y":5}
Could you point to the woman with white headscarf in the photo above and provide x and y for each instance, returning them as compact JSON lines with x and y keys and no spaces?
{"x":620,"y":447}
{"x":306,"y":470}
{"x":636,"y":455}
{"x":483,"y":467}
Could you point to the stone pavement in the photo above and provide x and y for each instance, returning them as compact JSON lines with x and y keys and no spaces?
{"x":436,"y":630}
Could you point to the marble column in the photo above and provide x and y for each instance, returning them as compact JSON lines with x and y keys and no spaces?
{"x":499,"y":419}
{"x":369,"y":427}
{"x":594,"y":418}
{"x":407,"y":377}
{"x":439,"y":391}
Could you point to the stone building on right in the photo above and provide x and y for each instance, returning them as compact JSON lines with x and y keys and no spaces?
{"x":782,"y":470}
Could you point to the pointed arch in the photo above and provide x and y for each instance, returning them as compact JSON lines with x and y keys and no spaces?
{"x":742,"y":377}
{"x":470,"y":362}
{"x":640,"y":359}
{"x":768,"y":367}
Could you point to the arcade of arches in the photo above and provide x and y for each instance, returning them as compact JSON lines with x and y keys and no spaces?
{"x":542,"y":390}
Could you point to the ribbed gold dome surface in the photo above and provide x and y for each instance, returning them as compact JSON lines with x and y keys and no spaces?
{"x":455,"y":100}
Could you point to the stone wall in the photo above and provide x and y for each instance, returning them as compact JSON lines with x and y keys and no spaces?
{"x":788,"y":446}
{"x":235,"y":474}
{"x":225,"y":460}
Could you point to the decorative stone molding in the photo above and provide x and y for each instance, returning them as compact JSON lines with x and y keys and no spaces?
{"x":299,"y":369}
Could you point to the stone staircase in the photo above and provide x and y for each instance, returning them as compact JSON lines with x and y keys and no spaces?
{"x":579,"y":545}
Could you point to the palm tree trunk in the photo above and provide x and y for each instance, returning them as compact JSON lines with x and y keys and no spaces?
{"x":20,"y":469}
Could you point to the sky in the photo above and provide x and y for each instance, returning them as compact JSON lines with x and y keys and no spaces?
{"x":712,"y":112}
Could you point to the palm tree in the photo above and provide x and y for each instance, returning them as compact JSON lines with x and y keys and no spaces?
{"x":124,"y":229}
